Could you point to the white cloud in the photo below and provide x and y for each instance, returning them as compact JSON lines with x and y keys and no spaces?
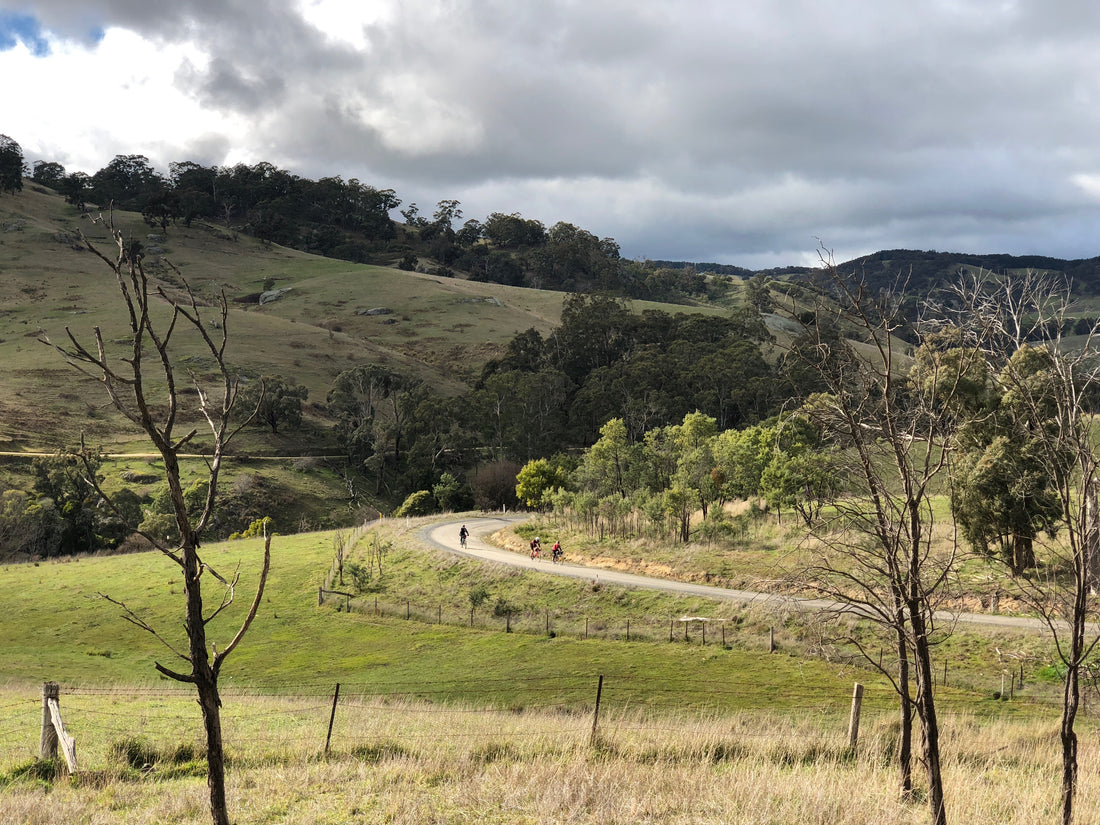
{"x":736,"y":132}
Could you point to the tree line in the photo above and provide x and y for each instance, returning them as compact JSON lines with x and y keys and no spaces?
{"x":353,"y":220}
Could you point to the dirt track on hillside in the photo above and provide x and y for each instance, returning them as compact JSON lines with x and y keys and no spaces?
{"x":444,"y":536}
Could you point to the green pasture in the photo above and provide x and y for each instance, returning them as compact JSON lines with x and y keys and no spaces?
{"x":58,"y":626}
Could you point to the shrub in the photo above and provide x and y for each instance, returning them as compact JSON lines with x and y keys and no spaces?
{"x":420,"y":503}
{"x":256,"y":528}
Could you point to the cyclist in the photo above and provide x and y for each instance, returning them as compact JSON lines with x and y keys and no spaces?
{"x":556,"y":552}
{"x":463,"y":534}
{"x":536,"y":548}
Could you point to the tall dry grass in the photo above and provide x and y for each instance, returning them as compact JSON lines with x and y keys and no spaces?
{"x":413,"y":762}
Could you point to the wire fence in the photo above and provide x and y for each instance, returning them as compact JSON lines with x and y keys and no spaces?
{"x":509,"y":619}
{"x":146,"y":726}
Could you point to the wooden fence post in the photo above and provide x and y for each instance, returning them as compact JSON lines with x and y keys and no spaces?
{"x":596,"y":712}
{"x":853,"y":720}
{"x":671,"y":628}
{"x":332,"y":717}
{"x":771,"y":640}
{"x":47,"y":748}
{"x":53,"y":729}
{"x":320,"y":596}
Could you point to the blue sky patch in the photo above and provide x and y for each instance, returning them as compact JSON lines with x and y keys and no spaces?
{"x":16,"y":28}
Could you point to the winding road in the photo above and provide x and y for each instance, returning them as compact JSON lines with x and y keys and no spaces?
{"x":444,"y":536}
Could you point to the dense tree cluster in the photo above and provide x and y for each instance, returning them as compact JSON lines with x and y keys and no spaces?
{"x":12,"y":166}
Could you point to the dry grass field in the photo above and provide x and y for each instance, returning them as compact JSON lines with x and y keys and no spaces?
{"x":394,"y":761}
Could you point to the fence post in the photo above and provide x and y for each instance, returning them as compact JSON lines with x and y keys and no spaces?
{"x":332,"y":717}
{"x":596,"y":712}
{"x":471,"y":615}
{"x":439,"y":615}
{"x":853,"y":720}
{"x":586,"y":627}
{"x":671,"y":628}
{"x":771,"y":640}
{"x":320,"y":596}
{"x":408,"y":609}
{"x":628,"y":630}
{"x":47,"y":748}
{"x":704,"y":626}
{"x":547,"y":621}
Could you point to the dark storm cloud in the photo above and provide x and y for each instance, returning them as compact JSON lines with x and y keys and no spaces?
{"x":707,"y":130}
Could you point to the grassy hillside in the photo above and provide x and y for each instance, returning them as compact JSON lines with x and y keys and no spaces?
{"x":440,"y":329}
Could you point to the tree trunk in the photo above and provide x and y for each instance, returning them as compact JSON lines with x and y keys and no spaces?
{"x":215,"y":751}
{"x":206,"y":683}
{"x":926,"y":709}
{"x":905,"y":734}
{"x":1023,"y":553}
{"x":1072,"y":695}
{"x":1069,"y":745}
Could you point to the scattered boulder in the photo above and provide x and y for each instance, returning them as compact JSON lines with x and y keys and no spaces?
{"x":273,"y":295}
{"x":374,"y":311}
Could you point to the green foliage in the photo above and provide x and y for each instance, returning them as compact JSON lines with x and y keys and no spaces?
{"x":503,"y":608}
{"x":479,"y":594}
{"x":420,"y":503}
{"x":537,"y":482}
{"x":12,"y":167}
{"x":259,"y":527}
{"x":361,"y":575}
{"x":451,"y":494}
{"x":275,"y":402}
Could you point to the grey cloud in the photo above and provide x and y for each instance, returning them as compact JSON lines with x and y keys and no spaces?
{"x":711,"y":130}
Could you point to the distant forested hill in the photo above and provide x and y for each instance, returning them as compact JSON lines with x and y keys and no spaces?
{"x":927,"y":270}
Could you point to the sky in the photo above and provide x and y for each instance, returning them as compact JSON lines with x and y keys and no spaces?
{"x":748,"y":132}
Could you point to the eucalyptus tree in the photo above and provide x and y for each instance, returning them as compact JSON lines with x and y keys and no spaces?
{"x":1048,"y":387}
{"x":12,"y":166}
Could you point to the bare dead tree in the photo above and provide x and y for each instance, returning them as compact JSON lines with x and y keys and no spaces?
{"x":131,"y":379}
{"x":1051,"y":385}
{"x":880,"y":554}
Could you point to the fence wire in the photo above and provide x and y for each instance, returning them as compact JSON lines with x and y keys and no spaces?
{"x":291,"y":720}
